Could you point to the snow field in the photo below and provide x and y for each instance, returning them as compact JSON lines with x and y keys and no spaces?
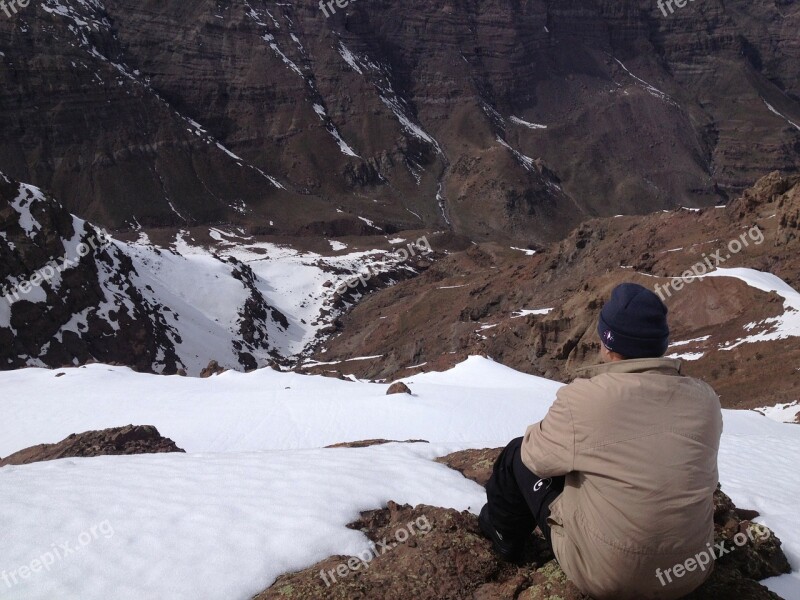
{"x":257,"y":496}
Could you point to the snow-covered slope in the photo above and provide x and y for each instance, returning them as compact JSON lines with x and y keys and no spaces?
{"x":257,"y":495}
{"x":207,"y":290}
{"x":236,"y":300}
{"x":781,"y":327}
{"x":788,"y":412}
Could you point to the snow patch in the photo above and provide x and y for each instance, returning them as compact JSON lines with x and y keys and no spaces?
{"x":524,"y":123}
{"x":781,"y":327}
{"x":535,"y":311}
{"x":781,"y":115}
{"x":525,"y":161}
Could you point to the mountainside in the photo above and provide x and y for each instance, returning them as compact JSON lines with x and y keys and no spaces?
{"x":499,"y":120}
{"x":400,"y":305}
{"x":539,"y":313}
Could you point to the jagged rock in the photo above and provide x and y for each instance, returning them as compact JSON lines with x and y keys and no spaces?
{"x":213,"y":368}
{"x":473,"y":464}
{"x":450,"y":561}
{"x":131,"y":439}
{"x":761,"y":557}
{"x":398,"y":388}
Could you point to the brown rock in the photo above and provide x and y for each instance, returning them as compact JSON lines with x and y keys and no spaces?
{"x":473,"y":464}
{"x":368,"y":443}
{"x":398,"y":388}
{"x":213,"y":368}
{"x":132,"y":439}
{"x":444,"y":556}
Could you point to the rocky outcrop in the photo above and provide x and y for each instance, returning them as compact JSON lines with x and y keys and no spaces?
{"x":368,"y":443}
{"x":212,"y":369}
{"x":433,"y":553}
{"x":139,"y":439}
{"x":506,"y":121}
{"x":75,"y":313}
{"x":70,"y":294}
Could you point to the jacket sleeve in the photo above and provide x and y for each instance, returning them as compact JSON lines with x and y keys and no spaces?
{"x":548,"y":448}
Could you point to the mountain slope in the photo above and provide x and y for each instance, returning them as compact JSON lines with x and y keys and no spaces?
{"x":538,"y":313}
{"x":507,"y":121}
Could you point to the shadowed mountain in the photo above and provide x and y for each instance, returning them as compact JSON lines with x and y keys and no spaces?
{"x":497,"y":119}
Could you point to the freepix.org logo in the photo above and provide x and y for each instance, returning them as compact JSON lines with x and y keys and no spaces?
{"x":331,"y":6}
{"x":668,"y":5}
{"x":11,"y":7}
{"x":98,"y":242}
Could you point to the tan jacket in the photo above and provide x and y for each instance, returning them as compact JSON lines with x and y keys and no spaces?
{"x":638,"y":444}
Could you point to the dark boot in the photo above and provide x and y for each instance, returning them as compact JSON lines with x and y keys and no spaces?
{"x":506,"y":547}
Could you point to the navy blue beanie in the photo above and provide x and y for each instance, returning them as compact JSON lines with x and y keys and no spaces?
{"x":633,"y":323}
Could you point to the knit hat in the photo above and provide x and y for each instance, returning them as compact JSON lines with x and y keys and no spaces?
{"x":633,"y":323}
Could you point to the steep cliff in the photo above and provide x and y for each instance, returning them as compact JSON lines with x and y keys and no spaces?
{"x":496,"y":119}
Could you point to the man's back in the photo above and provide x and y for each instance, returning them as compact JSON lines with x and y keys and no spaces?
{"x":638,"y":445}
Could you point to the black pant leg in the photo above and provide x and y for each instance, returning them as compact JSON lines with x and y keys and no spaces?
{"x":539,"y":494}
{"x":508,"y":509}
{"x":519,"y":499}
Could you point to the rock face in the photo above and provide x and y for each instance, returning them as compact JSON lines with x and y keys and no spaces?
{"x":501,"y":120}
{"x":139,"y":439}
{"x":212,"y":369}
{"x":87,"y":293}
{"x":538,"y":314}
{"x":433,"y":553}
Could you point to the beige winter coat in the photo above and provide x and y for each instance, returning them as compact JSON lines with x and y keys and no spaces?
{"x":638,"y":444}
